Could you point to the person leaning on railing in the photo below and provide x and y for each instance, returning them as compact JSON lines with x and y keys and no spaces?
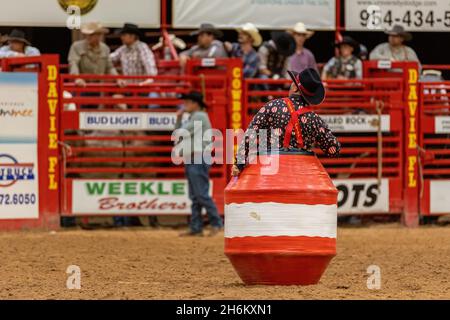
{"x":394,"y":49}
{"x":248,"y":38}
{"x":303,"y":58}
{"x":346,"y":65}
{"x":18,"y":46}
{"x":274,"y":55}
{"x":208,"y":45}
{"x":134,"y":56}
{"x":91,"y":55}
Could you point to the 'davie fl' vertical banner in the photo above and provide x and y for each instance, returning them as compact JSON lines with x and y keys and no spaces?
{"x":19,"y":188}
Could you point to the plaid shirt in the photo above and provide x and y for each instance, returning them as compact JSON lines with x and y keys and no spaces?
{"x":136,"y":60}
{"x":251,"y":60}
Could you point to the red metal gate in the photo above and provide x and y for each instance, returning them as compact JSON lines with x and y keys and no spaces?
{"x":127,"y":169}
{"x":367,"y":116}
{"x":434,"y":148}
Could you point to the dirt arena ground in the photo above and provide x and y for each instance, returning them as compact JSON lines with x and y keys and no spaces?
{"x":157,"y":264}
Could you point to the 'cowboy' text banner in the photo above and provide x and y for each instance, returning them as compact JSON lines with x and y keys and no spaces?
{"x":417,"y":15}
{"x":265,"y":14}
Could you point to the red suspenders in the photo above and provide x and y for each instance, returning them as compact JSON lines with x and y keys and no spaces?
{"x":294,"y":124}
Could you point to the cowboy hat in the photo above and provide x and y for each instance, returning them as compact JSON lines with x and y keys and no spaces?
{"x":209,"y":28}
{"x":18,"y":35}
{"x":351,"y":42}
{"x":251,"y":29}
{"x":93,"y":27}
{"x":194,"y":96}
{"x":398,"y":30}
{"x":301,"y":29}
{"x":285,"y":43}
{"x":130,"y":28}
{"x":310,"y":85}
{"x":177,"y":42}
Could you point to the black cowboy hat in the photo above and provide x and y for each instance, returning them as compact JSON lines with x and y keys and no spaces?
{"x":209,"y":28}
{"x":130,"y":28}
{"x":351,"y":42}
{"x":18,"y":35}
{"x":309,"y":84}
{"x":194,"y":96}
{"x":398,"y":30}
{"x":285,"y":42}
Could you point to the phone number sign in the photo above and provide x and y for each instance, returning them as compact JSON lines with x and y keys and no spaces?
{"x":380,"y":15}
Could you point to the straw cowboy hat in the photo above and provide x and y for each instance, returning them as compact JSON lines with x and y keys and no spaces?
{"x":301,"y":29}
{"x":398,"y":30}
{"x":309,"y":84}
{"x":93,"y":27}
{"x":177,"y":42}
{"x":18,"y":35}
{"x":209,"y":28}
{"x":251,"y":29}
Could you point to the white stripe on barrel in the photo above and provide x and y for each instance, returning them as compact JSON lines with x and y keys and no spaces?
{"x":252,"y":219}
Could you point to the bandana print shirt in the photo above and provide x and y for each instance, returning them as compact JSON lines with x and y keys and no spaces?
{"x":275,"y":115}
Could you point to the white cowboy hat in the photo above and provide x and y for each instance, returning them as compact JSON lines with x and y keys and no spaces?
{"x":251,"y":29}
{"x":93,"y":27}
{"x":177,"y":42}
{"x":300,"y":28}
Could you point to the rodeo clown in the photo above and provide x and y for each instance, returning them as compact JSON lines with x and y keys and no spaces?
{"x":291,"y":119}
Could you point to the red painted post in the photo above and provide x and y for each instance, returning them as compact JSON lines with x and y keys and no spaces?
{"x":411,"y":97}
{"x":338,"y":35}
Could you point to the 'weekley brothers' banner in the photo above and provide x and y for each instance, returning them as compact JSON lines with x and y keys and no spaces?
{"x":265,"y":14}
{"x":131,"y":197}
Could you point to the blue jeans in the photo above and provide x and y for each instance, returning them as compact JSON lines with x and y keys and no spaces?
{"x":198,"y":181}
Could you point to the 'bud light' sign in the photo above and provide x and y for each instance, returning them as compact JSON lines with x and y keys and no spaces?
{"x":156,"y":121}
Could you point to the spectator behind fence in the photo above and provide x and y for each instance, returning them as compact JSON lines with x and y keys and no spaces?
{"x":18,"y":46}
{"x":394,"y":49}
{"x":91,"y":55}
{"x":134,"y":56}
{"x":302,"y":58}
{"x":162,"y":48}
{"x":274,"y":55}
{"x":248,"y":37}
{"x":136,"y":59}
{"x":208,"y":45}
{"x":197,"y":172}
{"x":347,"y":65}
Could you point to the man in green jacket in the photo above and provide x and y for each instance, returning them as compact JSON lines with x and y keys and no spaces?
{"x":196,"y":168}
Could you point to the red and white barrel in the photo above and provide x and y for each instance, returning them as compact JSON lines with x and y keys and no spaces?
{"x":280,"y":229}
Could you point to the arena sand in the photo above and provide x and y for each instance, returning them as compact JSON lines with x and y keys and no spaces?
{"x":157,"y":264}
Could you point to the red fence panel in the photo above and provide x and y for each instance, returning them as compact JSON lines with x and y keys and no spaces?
{"x":434,"y":146}
{"x":366,"y":116}
{"x":117,"y":143}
